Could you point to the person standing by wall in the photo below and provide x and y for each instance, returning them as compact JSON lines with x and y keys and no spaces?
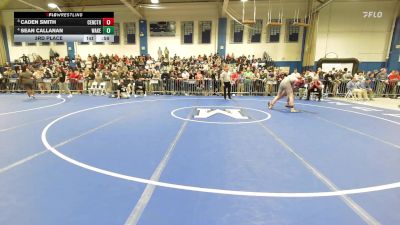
{"x":160,"y":54}
{"x":270,"y":80}
{"x":248,"y":82}
{"x":39,"y":74}
{"x":226,"y":79}
{"x":166,"y":53}
{"x":48,"y":74}
{"x":240,"y":83}
{"x":26,"y":79}
{"x":89,"y":77}
{"x":234,"y":79}
{"x":381,"y":79}
{"x":63,"y":86}
{"x":337,"y":80}
{"x":51,"y":54}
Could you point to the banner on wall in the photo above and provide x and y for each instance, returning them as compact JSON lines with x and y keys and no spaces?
{"x":162,"y":28}
{"x":326,"y":67}
{"x":284,"y":69}
{"x":327,"y":64}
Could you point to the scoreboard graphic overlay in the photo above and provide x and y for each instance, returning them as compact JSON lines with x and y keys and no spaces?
{"x":64,"y":26}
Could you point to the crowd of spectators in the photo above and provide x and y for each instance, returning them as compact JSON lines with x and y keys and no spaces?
{"x":247,"y":73}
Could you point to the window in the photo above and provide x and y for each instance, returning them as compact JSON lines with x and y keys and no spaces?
{"x":60,"y":43}
{"x":116,"y":34}
{"x":12,"y":37}
{"x":130,"y":33}
{"x":273,"y":32}
{"x":187,"y":32}
{"x":30,"y":43}
{"x":255,"y":32}
{"x":236,"y":32}
{"x":205,"y":32}
{"x":45,"y":43}
{"x":292,"y":31}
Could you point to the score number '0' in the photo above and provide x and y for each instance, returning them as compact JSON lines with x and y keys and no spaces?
{"x":108,"y":21}
{"x":373,"y":14}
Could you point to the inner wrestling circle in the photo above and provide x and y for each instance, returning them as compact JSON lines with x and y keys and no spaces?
{"x":211,"y":108}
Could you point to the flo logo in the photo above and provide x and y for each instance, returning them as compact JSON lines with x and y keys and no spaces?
{"x":373,"y":14}
{"x":204,"y":113}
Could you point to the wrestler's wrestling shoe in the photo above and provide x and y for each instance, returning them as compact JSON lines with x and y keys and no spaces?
{"x":269,"y":105}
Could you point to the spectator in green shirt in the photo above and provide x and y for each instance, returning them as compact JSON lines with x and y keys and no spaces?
{"x":249,"y":76}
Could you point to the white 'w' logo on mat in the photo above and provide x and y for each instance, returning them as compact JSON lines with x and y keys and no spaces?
{"x":204,"y":113}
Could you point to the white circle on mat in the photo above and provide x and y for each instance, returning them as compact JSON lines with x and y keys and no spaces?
{"x":212,"y":190}
{"x":32,"y":109}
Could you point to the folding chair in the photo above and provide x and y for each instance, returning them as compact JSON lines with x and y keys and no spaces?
{"x":302,"y":93}
{"x":102,"y":88}
{"x":323,"y":94}
{"x":93,"y":88}
{"x":351,"y":96}
{"x":314,"y":96}
{"x":140,"y":86}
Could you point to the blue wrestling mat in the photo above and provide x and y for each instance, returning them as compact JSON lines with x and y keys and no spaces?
{"x":173,"y":160}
